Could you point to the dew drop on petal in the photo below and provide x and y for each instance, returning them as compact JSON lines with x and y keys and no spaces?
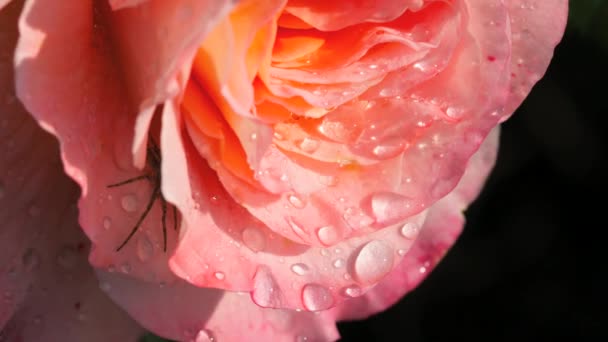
{"x":204,"y":335}
{"x":254,"y":239}
{"x":410,"y":230}
{"x":301,"y":338}
{"x":296,"y":201}
{"x":219,"y":275}
{"x":338,"y":263}
{"x":107,"y":223}
{"x":129,"y":203}
{"x":300,"y":269}
{"x":125,"y":268}
{"x":352,"y":291}
{"x":316,"y":297}
{"x":327,"y":235}
{"x":373,"y":262}
{"x":145,"y":250}
{"x":389,"y":206}
{"x":309,"y":145}
{"x":265,"y":292}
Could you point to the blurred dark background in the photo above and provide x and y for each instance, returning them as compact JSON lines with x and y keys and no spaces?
{"x":530,"y":264}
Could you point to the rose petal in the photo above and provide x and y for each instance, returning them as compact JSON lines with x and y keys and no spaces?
{"x":49,"y":292}
{"x":536,"y":27}
{"x":439,"y":232}
{"x":183,"y":312}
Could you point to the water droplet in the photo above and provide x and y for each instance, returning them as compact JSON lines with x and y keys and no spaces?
{"x":301,"y":338}
{"x":125,"y":268}
{"x":34,"y":211}
{"x":454,"y":113}
{"x":105,"y":286}
{"x":145,"y":250}
{"x":389,"y":149}
{"x":300,"y":269}
{"x":410,"y":230}
{"x":401,"y":251}
{"x":129,"y":203}
{"x":356,"y":219}
{"x":30,"y":259}
{"x":296,"y":201}
{"x":254,"y":239}
{"x":373,"y":66}
{"x":339,"y":263}
{"x":253,"y":136}
{"x":327,"y":235}
{"x":266,"y":292}
{"x":324,"y":252}
{"x":219,"y":275}
{"x":390,"y":207}
{"x":204,"y":335}
{"x":309,"y":145}
{"x":107,"y":223}
{"x":67,"y":258}
{"x":316,"y":297}
{"x":373,"y":262}
{"x":352,"y":291}
{"x":297,"y":229}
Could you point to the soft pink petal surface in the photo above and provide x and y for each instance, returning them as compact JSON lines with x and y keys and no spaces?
{"x":49,"y":291}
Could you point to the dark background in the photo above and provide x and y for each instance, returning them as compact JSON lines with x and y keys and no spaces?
{"x":530,"y":264}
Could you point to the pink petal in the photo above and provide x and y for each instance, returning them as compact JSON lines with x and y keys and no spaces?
{"x":536,"y":28}
{"x":4,"y":3}
{"x":439,"y":232}
{"x":183,"y":312}
{"x":49,"y":291}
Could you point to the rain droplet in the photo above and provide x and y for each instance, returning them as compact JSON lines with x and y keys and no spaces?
{"x":129,"y":203}
{"x":389,"y":206}
{"x":309,"y":145}
{"x":107,"y":223}
{"x":401,"y":251}
{"x":266,"y":292}
{"x":125,"y":268}
{"x":296,"y":201}
{"x":373,"y":262}
{"x":327,"y":235}
{"x":339,"y":263}
{"x":410,"y":230}
{"x":67,"y":257}
{"x":316,"y":297}
{"x":387,"y":151}
{"x":352,"y":291}
{"x":253,"y":136}
{"x":254,"y":239}
{"x":219,"y":275}
{"x":204,"y":335}
{"x":454,"y":113}
{"x":301,"y":338}
{"x":300,"y":269}
{"x":145,"y":250}
{"x":30,"y":259}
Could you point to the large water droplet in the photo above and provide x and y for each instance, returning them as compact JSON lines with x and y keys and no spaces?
{"x":296,"y":201}
{"x":107,"y":223}
{"x":327,"y":235}
{"x":266,"y":292}
{"x":352,"y":291}
{"x":204,"y":335}
{"x":129,"y":203}
{"x":30,"y":259}
{"x":454,"y":113}
{"x":309,"y":145}
{"x":145,"y":250}
{"x":316,"y":297}
{"x":300,"y":269}
{"x":389,"y":206}
{"x":410,"y":230}
{"x":373,"y":262}
{"x":254,"y":239}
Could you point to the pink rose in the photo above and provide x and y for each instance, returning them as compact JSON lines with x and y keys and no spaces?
{"x":312,"y":156}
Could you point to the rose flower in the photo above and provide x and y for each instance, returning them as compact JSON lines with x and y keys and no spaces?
{"x":246,"y":170}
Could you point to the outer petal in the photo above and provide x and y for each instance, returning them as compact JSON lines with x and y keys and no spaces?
{"x":536,"y":28}
{"x":441,"y":229}
{"x":49,"y":292}
{"x":186,"y":313}
{"x":68,"y":78}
